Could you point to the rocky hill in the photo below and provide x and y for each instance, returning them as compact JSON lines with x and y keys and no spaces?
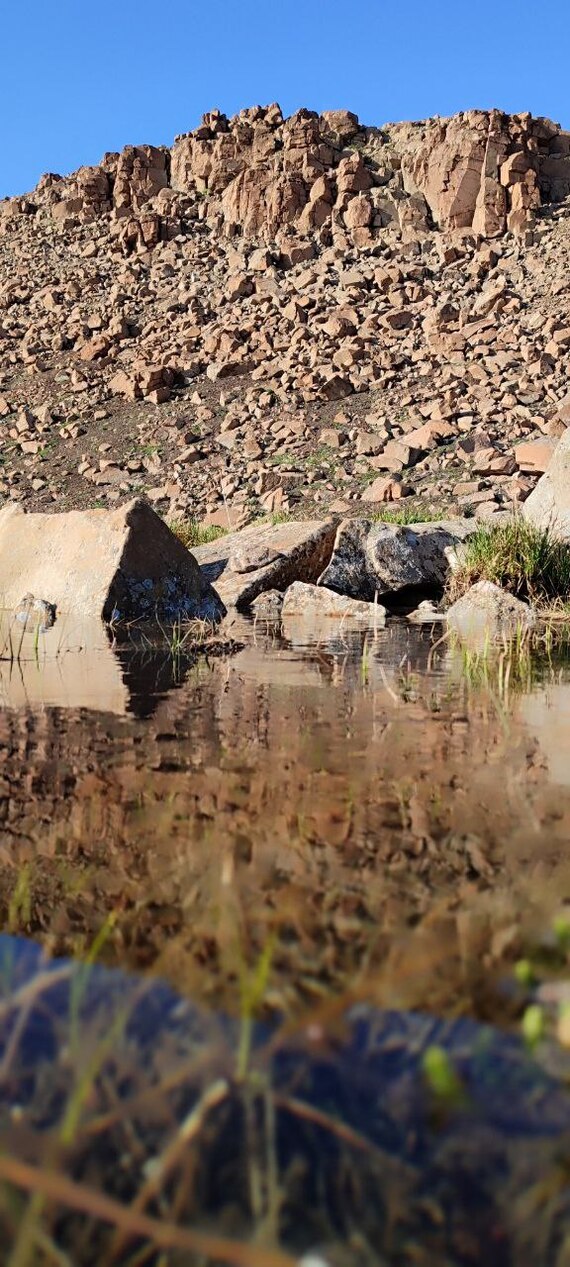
{"x":290,"y":315}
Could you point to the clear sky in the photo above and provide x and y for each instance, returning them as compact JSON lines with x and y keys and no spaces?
{"x":83,"y":76}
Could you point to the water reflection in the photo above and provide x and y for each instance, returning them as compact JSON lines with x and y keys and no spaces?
{"x":353,"y":802}
{"x":79,"y":664}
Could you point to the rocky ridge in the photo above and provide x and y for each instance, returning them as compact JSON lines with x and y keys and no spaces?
{"x":291,"y":316}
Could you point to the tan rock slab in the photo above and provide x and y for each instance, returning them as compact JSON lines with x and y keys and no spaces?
{"x":535,"y":455}
{"x":297,"y":551}
{"x":549,"y":503}
{"x":315,"y":600}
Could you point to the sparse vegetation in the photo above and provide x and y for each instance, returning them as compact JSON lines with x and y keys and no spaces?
{"x":528,"y":562}
{"x":405,"y":515}
{"x":191,"y":533}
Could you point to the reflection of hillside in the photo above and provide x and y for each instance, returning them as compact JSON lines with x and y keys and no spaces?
{"x":547,"y":714}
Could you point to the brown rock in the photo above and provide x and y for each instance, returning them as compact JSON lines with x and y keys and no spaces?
{"x":535,"y":455}
{"x":300,"y":552}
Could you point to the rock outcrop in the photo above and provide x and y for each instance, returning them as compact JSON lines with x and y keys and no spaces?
{"x":485,"y":171}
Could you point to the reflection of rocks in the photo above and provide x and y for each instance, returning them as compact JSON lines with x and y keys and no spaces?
{"x":76,"y":665}
{"x":547,"y":714}
{"x":331,"y":797}
{"x":300,"y":794}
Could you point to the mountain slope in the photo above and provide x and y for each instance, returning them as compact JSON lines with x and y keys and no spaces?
{"x":290,"y":315}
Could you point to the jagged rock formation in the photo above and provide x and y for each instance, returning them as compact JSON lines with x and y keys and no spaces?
{"x":185,"y":322}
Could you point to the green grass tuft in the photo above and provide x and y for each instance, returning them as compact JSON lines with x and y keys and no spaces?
{"x":191,"y":533}
{"x":405,"y":515}
{"x":527,"y":561}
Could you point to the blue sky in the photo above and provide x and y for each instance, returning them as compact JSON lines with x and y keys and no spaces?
{"x":83,"y":76}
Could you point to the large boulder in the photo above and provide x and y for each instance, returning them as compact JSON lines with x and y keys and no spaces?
{"x":382,"y":558}
{"x":266,"y":557}
{"x":486,"y":611}
{"x":120,"y":564}
{"x":549,"y":503}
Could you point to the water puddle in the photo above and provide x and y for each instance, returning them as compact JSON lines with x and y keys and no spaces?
{"x":318,"y":823}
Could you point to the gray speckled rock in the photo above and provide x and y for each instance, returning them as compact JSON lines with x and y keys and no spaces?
{"x":381,"y":558}
{"x":486,"y":611}
{"x":35,"y":613}
{"x":549,"y":503}
{"x":268,"y":606}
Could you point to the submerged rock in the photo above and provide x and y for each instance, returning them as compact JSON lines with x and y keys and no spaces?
{"x":35,"y":612}
{"x":123,"y":564}
{"x":486,"y":610}
{"x":381,"y":558}
{"x":316,"y":600}
{"x":549,"y":503}
{"x":264,"y":557}
{"x":268,"y":605}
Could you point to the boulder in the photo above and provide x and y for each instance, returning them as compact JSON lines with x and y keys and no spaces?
{"x":266,"y":557}
{"x":315,"y":600}
{"x":268,"y":606}
{"x":549,"y":503}
{"x":120,"y":564}
{"x":381,"y":558}
{"x":486,"y":611}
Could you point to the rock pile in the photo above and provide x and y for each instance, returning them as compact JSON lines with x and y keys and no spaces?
{"x":290,"y":315}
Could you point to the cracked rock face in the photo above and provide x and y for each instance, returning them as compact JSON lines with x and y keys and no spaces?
{"x":381,"y":558}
